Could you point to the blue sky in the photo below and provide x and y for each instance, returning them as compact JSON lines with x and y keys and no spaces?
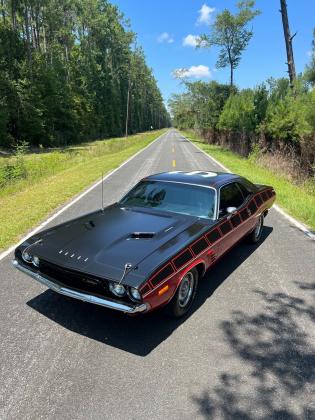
{"x":163,"y":25}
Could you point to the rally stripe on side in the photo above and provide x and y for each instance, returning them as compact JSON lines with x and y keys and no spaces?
{"x":205,"y":242}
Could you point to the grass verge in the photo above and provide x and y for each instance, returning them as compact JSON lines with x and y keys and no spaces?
{"x":298,"y":201}
{"x":55,"y":177}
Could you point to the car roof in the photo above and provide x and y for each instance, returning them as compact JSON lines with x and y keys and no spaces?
{"x":203,"y":178}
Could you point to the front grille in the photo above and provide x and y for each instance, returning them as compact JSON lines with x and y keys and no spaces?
{"x":78,"y":281}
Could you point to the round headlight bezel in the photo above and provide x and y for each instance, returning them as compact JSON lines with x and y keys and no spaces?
{"x":132,"y":290}
{"x":113,"y":287}
{"x":27,"y":257}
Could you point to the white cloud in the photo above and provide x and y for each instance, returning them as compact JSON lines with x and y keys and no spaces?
{"x":165,"y":37}
{"x":190,"y":41}
{"x":309,"y":53}
{"x":198,"y":72}
{"x":205,"y":14}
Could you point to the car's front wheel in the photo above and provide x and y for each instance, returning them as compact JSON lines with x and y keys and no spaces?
{"x":185,"y":294}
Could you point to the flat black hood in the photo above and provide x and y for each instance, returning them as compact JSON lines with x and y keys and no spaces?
{"x":102,"y":243}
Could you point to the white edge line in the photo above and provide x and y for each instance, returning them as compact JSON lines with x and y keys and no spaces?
{"x":291,"y":219}
{"x":63,"y":209}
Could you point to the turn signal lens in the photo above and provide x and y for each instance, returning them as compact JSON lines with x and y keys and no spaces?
{"x":163,"y":290}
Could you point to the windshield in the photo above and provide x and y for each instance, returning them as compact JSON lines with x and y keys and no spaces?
{"x":173,"y":197}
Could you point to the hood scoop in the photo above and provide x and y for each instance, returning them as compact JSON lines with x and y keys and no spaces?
{"x":141,"y":235}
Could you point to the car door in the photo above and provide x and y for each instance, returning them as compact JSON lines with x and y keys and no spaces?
{"x":233,"y":226}
{"x":246,"y":211}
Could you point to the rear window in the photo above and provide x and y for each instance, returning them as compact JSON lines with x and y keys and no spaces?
{"x":172,"y":197}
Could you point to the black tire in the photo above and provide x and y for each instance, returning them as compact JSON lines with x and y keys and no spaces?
{"x":255,"y":235}
{"x":181,"y":302}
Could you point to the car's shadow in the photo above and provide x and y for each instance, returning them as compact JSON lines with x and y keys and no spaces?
{"x":138,"y":335}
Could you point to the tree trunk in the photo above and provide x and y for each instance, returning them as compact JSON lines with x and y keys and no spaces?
{"x":3,"y":11}
{"x":288,"y":41}
{"x":13,"y":14}
{"x":231,"y":68}
{"x":28,"y":38}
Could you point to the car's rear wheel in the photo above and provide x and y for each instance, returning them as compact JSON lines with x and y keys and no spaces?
{"x":255,"y":235}
{"x":185,"y":294}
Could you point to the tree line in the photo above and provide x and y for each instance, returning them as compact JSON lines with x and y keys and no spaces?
{"x":71,"y":71}
{"x":271,"y":116}
{"x":278,"y":114}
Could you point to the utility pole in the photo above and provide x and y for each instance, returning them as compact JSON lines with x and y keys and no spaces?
{"x":288,"y":41}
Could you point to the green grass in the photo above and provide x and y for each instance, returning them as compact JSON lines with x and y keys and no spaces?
{"x":52,"y":178}
{"x":297,"y":200}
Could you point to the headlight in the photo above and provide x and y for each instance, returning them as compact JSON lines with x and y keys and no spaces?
{"x":26,"y":257}
{"x":134,"y":294}
{"x":117,"y":289}
{"x":35,"y":261}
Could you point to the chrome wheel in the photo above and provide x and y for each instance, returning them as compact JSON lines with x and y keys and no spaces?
{"x":185,"y":294}
{"x":186,"y":289}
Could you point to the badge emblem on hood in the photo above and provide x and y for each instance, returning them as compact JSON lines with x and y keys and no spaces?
{"x":73,"y":255}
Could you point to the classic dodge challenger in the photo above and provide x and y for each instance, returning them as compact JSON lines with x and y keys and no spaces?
{"x":149,"y":249}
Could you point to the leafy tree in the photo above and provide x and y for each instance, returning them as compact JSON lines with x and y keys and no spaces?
{"x":291,"y":118}
{"x":181,"y":111}
{"x":64,"y":74}
{"x":200,"y":106}
{"x":231,"y":34}
{"x":239,"y":112}
{"x":208,"y":100}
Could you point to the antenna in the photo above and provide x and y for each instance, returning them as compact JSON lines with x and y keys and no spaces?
{"x":102,"y":191}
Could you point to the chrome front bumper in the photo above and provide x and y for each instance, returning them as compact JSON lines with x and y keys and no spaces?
{"x":106,"y":302}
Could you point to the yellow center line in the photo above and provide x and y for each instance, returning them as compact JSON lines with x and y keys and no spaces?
{"x":173,"y":149}
{"x":174,"y":163}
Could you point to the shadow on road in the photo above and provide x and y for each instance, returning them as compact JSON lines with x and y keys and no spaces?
{"x":137,"y":335}
{"x":275,"y":351}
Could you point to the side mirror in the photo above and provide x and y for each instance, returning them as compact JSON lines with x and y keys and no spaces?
{"x":231,"y":210}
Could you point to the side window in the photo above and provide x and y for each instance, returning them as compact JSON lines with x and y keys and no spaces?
{"x":230,"y":196}
{"x":244,"y":190}
{"x":248,"y":185}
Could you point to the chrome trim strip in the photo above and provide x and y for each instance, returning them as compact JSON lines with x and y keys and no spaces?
{"x":106,"y":302}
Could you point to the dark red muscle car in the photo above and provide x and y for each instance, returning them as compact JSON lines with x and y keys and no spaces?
{"x":150,"y":249}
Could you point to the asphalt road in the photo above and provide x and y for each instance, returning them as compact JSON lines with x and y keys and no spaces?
{"x":245,"y":352}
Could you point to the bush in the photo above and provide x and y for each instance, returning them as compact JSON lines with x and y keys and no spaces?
{"x":292,"y":118}
{"x":16,"y":168}
{"x":239,"y":112}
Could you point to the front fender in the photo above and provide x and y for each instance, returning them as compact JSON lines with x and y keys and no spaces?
{"x":165,"y":291}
